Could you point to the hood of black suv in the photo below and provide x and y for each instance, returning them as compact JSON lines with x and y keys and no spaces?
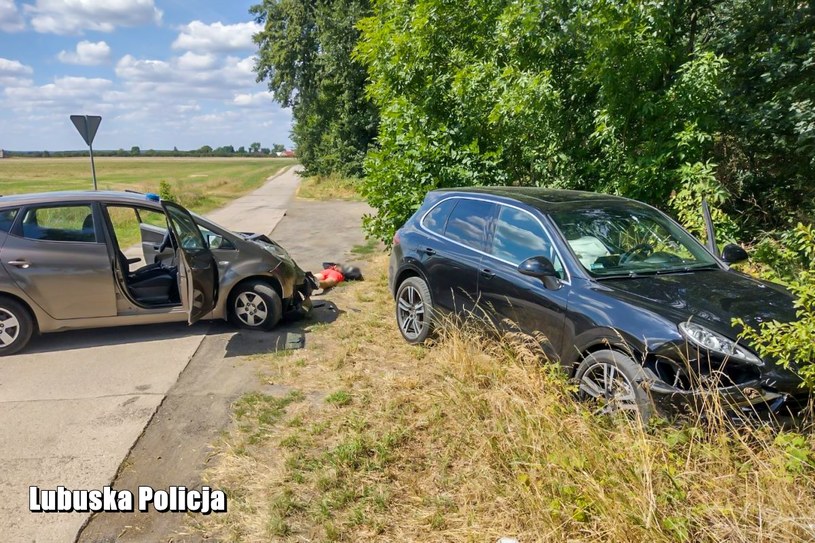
{"x":713,"y":297}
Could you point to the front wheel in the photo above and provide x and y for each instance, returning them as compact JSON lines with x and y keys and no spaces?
{"x":255,"y":306}
{"x":414,"y":310}
{"x":612,"y":382}
{"x":16,"y":326}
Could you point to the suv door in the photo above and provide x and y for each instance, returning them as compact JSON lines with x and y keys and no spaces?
{"x":511,"y":296}
{"x":452,"y":264}
{"x":56,"y":254}
{"x":197,"y":273}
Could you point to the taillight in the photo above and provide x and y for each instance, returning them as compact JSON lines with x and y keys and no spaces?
{"x":396,"y":238}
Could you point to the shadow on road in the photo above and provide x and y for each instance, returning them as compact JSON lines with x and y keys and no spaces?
{"x":98,"y":337}
{"x":288,"y":335}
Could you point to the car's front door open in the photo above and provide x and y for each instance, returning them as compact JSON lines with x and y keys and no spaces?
{"x":197,"y":270}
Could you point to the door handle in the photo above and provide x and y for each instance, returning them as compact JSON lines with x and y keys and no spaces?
{"x":487,"y":273}
{"x":429,"y":251}
{"x":20,"y":264}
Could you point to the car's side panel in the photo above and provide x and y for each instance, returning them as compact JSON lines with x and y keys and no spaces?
{"x":67,"y":280}
{"x":523,"y":303}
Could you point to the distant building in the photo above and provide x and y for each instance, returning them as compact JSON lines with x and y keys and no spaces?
{"x":2,"y":154}
{"x":287,"y":154}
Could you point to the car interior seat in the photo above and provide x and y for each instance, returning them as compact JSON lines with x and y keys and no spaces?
{"x":151,"y":284}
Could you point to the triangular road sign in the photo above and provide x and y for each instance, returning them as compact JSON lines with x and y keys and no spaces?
{"x":87,"y":125}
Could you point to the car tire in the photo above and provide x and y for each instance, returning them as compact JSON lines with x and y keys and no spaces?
{"x":16,"y":326}
{"x":607,"y":369}
{"x":414,"y":310}
{"x":255,"y":305}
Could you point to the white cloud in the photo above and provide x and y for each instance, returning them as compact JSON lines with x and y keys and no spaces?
{"x":10,"y":19}
{"x":198,"y":36}
{"x":87,"y":54}
{"x":64,"y":93}
{"x":14,"y":72}
{"x":253,"y":99}
{"x":203,"y":76}
{"x":73,"y":16}
{"x":193,"y":61}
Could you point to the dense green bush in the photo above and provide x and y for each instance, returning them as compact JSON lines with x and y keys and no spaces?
{"x":661,"y":101}
{"x":792,"y":343}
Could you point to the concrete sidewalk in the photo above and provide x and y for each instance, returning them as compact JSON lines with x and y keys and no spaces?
{"x":260,"y":211}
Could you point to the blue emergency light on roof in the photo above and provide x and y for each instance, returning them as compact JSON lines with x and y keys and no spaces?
{"x":152,"y":196}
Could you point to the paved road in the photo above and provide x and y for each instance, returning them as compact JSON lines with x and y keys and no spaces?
{"x":74,"y":404}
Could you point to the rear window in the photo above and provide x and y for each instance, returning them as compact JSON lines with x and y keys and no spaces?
{"x":7,"y":217}
{"x":436,"y":220}
{"x":467,"y":223}
{"x":66,"y":223}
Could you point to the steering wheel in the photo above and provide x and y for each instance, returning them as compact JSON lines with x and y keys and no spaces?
{"x":643,"y":248}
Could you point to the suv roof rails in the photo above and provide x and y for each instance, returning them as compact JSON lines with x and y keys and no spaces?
{"x":133,"y":191}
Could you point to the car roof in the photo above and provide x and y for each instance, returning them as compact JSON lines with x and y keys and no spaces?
{"x":545,"y":199}
{"x":56,"y":197}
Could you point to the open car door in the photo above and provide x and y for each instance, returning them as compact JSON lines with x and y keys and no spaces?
{"x":197,"y":270}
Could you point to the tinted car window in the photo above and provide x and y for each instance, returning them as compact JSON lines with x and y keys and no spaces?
{"x":467,"y":223}
{"x":436,"y":220}
{"x":518,"y":236}
{"x":7,"y":219}
{"x":66,"y":223}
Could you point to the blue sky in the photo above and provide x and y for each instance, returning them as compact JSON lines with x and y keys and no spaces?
{"x":161,"y":73}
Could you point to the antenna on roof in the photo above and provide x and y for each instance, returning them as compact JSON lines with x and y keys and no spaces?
{"x":87,"y":125}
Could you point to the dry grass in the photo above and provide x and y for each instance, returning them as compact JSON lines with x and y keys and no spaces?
{"x":329,"y":188}
{"x":472,"y":440}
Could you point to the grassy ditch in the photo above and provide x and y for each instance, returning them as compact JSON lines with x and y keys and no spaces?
{"x":471,"y":440}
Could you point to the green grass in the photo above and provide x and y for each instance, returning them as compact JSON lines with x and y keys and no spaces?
{"x":340,"y":398}
{"x":202,"y":184}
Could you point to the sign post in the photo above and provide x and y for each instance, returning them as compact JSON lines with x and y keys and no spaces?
{"x":87,"y":125}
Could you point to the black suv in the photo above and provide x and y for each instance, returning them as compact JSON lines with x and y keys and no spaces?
{"x":633,"y":306}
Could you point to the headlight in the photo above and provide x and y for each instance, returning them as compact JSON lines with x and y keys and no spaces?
{"x":717,"y":343}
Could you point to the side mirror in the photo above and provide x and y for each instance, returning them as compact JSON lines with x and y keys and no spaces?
{"x":214,"y":241}
{"x":541,"y":268}
{"x":733,"y":253}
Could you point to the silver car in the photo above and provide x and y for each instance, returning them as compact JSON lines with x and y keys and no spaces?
{"x":96,"y":259}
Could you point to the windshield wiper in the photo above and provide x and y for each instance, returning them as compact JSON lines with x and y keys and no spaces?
{"x":692,"y":268}
{"x":650,"y":273}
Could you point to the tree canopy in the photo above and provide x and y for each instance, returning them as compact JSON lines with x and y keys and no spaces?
{"x":660,"y":101}
{"x":305,"y":56}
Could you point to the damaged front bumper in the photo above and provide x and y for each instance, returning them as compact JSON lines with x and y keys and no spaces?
{"x":751,"y":400}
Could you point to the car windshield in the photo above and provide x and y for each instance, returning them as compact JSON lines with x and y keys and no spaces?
{"x":613,"y":240}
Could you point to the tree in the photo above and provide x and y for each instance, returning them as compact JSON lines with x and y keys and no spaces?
{"x":305,"y":56}
{"x":135,"y":150}
{"x":205,"y":150}
{"x":265,"y":151}
{"x":278,"y":148}
{"x":667,"y":102}
{"x":255,"y":147}
{"x":242,"y":150}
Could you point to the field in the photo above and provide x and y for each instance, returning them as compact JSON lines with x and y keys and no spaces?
{"x":202,"y":184}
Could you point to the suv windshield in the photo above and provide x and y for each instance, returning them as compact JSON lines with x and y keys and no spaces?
{"x":617,"y":240}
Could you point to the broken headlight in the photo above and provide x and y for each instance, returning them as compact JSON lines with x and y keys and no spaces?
{"x":717,"y":343}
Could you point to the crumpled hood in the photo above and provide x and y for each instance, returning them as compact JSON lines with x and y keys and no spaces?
{"x":712,"y":296}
